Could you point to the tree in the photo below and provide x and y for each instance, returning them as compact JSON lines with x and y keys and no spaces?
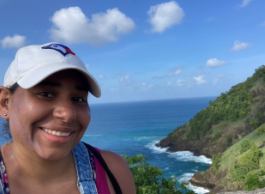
{"x":149,"y":180}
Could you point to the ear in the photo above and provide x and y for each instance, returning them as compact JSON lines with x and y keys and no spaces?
{"x":5,"y":99}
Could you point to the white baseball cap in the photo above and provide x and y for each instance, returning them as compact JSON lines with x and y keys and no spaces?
{"x":34,"y":63}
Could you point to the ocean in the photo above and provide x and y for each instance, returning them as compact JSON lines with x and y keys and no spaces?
{"x":133,"y":128}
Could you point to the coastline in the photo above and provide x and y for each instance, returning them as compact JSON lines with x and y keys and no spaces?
{"x":205,"y":187}
{"x":196,"y":152}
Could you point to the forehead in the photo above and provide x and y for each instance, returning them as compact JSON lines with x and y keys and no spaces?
{"x":67,"y":77}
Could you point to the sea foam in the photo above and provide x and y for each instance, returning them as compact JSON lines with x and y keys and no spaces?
{"x":185,"y":178}
{"x":185,"y":156}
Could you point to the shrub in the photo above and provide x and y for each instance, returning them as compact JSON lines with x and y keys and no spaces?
{"x":238,"y":173}
{"x":245,"y":145}
{"x":148,"y":179}
{"x":253,"y":182}
{"x":247,"y":120}
{"x":250,"y":160}
{"x":216,"y":136}
{"x":255,"y":124}
{"x":223,"y":125}
{"x":215,"y":163}
{"x":228,"y":139}
{"x":246,"y":164}
{"x":259,"y":114}
{"x":261,"y":129}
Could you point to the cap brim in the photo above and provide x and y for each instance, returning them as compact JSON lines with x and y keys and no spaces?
{"x":35,"y":76}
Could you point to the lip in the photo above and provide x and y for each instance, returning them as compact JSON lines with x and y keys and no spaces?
{"x":60,"y":129}
{"x":57,"y":139}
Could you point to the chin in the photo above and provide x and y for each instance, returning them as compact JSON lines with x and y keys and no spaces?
{"x":52,"y":154}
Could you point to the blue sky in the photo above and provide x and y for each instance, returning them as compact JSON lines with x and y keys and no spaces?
{"x":148,"y":49}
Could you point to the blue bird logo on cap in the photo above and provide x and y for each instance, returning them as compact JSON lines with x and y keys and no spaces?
{"x":64,"y":50}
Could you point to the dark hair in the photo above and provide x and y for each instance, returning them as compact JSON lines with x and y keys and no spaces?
{"x":6,"y":129}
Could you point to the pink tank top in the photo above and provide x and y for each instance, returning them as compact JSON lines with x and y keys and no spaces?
{"x":101,"y":179}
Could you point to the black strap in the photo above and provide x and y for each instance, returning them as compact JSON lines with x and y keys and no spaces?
{"x":113,"y":180}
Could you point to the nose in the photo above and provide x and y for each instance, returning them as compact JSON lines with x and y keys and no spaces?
{"x":65,"y":111}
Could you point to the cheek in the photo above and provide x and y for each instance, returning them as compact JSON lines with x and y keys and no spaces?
{"x":24,"y":113}
{"x":84,"y":118}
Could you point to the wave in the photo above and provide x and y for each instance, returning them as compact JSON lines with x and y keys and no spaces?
{"x":198,"y":190}
{"x":185,"y":156}
{"x":155,"y":149}
{"x":185,"y":178}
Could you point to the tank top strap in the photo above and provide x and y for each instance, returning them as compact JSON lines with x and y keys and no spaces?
{"x":85,"y":182}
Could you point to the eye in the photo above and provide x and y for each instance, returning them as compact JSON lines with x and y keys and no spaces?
{"x":78,"y":99}
{"x":46,"y":94}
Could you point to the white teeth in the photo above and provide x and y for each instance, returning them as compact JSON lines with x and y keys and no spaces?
{"x":57,"y":133}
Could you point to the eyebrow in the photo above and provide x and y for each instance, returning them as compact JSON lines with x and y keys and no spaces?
{"x":56,"y":84}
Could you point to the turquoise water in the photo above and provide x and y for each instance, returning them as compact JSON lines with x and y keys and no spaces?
{"x":134,"y":128}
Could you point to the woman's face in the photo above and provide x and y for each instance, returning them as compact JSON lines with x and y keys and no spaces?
{"x":50,"y":118}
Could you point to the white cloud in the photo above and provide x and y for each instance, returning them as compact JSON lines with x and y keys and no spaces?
{"x":239,"y":46}
{"x":213,"y":62}
{"x":180,"y":82}
{"x":262,"y":24}
{"x":87,"y":66}
{"x":146,"y":86}
{"x":101,"y":76}
{"x":126,"y":79}
{"x":200,"y":80}
{"x":173,"y":73}
{"x":16,"y":41}
{"x":72,"y":26}
{"x":245,"y":3}
{"x":165,"y":15}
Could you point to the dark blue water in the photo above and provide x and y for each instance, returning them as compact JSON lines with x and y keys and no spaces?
{"x":133,"y":128}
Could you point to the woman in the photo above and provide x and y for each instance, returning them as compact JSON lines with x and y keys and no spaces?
{"x":44,"y":98}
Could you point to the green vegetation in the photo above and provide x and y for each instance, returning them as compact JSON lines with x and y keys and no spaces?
{"x":235,"y":117}
{"x":216,"y":136}
{"x":232,"y":106}
{"x":228,"y":139}
{"x":244,"y":161}
{"x":215,"y":163}
{"x":255,"y":124}
{"x":261,"y":129}
{"x":247,"y":170}
{"x":149,"y":180}
{"x":245,"y":145}
{"x":259,"y":114}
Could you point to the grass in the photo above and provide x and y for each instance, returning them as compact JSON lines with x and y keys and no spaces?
{"x":231,"y":155}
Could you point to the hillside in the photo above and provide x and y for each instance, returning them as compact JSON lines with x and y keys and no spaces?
{"x":240,"y":167}
{"x":228,"y":119}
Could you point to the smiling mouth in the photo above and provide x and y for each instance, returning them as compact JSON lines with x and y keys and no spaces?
{"x":56,"y":133}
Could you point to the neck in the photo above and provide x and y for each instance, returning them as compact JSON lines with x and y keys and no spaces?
{"x":32,"y":167}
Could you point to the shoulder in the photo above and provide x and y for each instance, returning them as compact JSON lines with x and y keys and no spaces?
{"x":120,"y":169}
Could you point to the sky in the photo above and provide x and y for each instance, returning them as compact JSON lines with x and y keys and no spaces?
{"x":145,"y":49}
